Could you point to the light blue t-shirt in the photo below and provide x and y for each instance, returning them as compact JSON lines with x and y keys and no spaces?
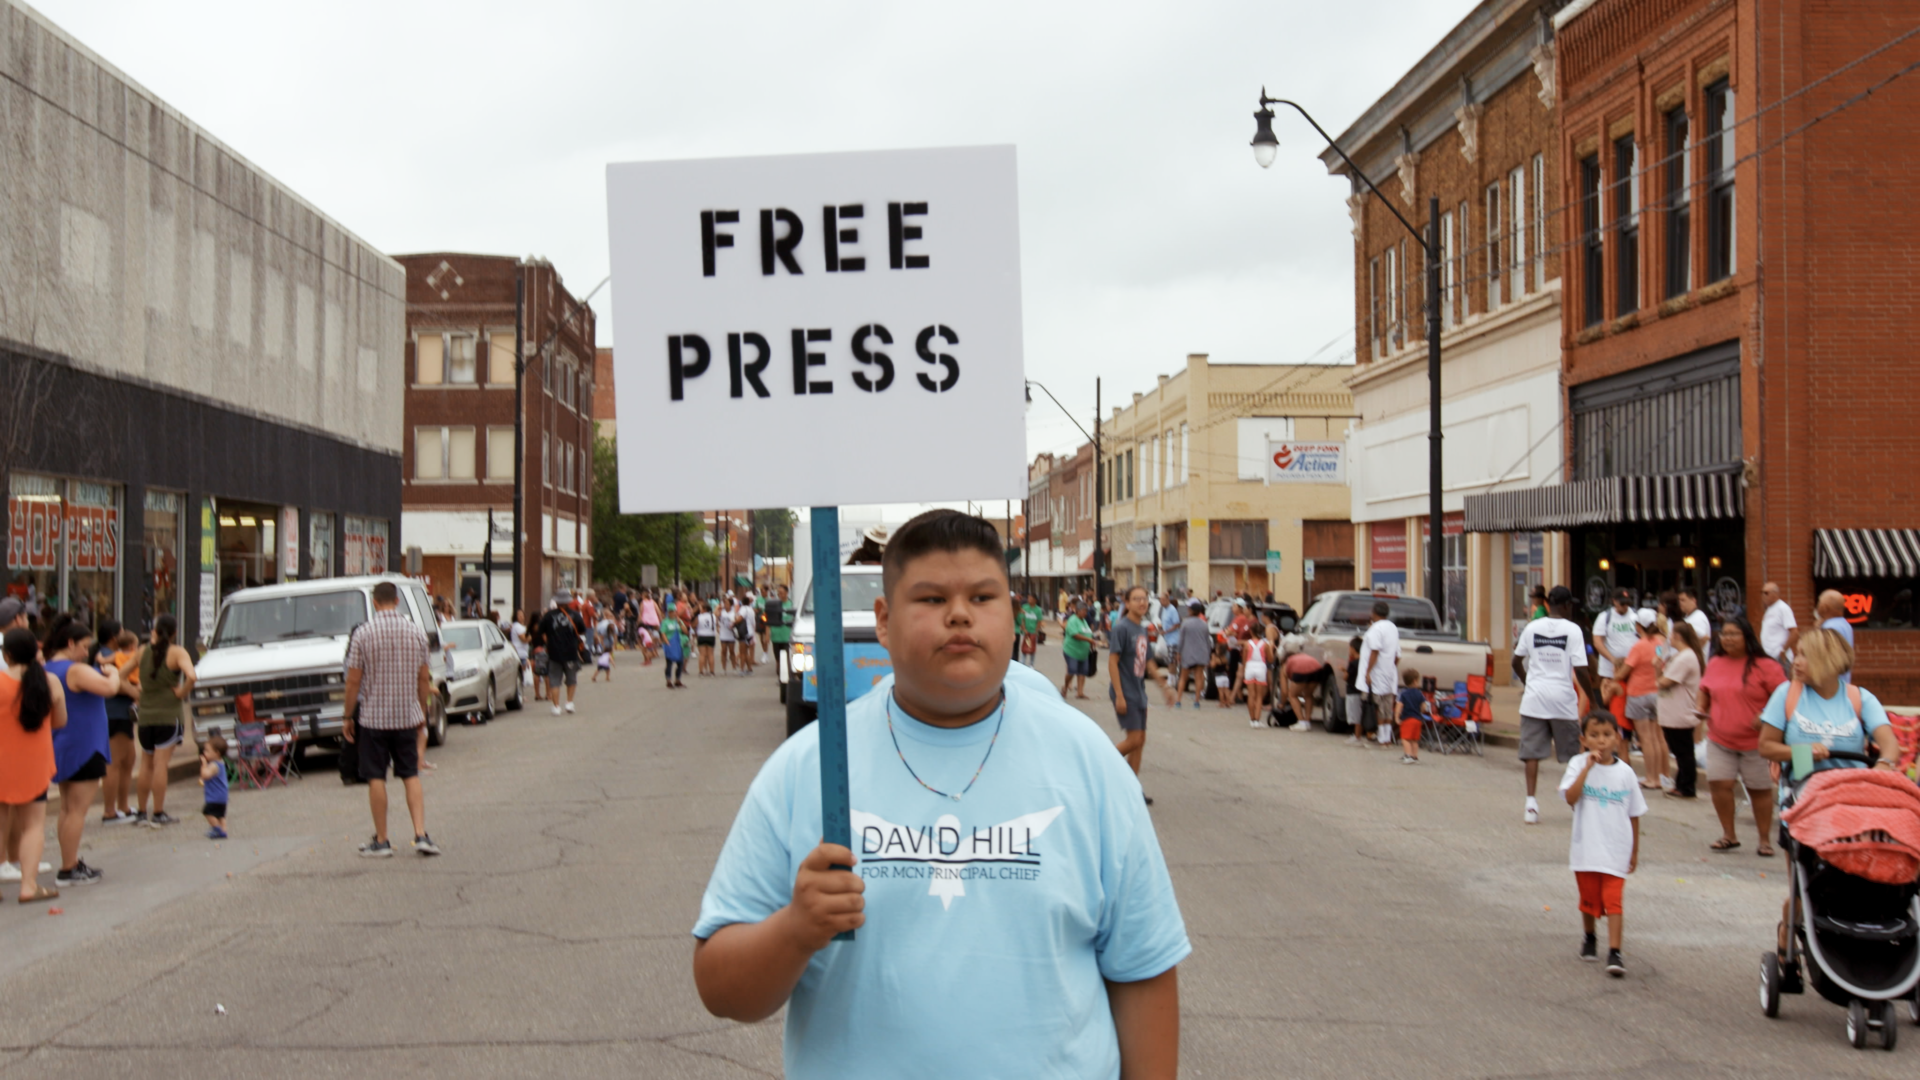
{"x":1840,"y":626}
{"x":1826,"y":720}
{"x":1170,"y":628}
{"x":991,"y":922}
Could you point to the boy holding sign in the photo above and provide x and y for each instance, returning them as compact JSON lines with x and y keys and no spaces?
{"x":1015,"y":914}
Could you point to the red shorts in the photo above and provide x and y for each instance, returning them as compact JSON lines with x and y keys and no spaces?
{"x":1599,"y":893}
{"x":1410,"y":730}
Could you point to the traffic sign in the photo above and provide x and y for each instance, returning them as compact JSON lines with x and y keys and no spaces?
{"x":1306,"y":568}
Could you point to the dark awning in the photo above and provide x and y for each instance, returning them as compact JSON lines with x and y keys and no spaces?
{"x":1866,"y":553}
{"x":1554,"y":507}
{"x":1609,"y":500}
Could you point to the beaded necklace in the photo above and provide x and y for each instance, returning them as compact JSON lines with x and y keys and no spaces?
{"x":955,"y":796}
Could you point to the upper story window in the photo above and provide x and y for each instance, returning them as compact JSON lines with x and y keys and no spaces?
{"x":500,"y":360}
{"x":1720,"y":159}
{"x":461,"y":366}
{"x":1592,"y":287}
{"x":1449,"y":275}
{"x":429,"y":360}
{"x":1540,"y":220}
{"x":1496,"y":247}
{"x":1517,"y":186}
{"x":1461,"y":219}
{"x":1678,"y":227}
{"x":1626,"y":222}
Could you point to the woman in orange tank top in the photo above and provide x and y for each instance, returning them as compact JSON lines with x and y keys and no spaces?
{"x":32,"y":708}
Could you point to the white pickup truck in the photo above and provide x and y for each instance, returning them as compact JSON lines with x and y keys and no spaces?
{"x":1335,"y":618}
{"x":287,"y":646}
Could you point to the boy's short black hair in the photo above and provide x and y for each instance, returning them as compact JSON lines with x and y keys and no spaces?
{"x":938,"y":530}
{"x":1357,"y":643}
{"x":1593,"y":718}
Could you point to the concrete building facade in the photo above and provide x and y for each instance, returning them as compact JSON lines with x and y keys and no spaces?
{"x":459,"y":461}
{"x":201,"y":369}
{"x":1475,"y":124}
{"x":1186,"y":502}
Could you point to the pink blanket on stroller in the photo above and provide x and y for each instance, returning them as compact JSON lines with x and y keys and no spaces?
{"x":1864,"y":821}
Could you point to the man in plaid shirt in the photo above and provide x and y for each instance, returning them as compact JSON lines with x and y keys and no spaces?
{"x":388,"y":681}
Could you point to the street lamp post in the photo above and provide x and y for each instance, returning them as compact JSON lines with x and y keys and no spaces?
{"x":1265,"y":146}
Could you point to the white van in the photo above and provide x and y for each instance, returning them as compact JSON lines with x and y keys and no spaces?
{"x":287,"y":646}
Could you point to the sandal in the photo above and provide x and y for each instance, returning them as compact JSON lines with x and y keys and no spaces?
{"x":1679,"y":795}
{"x":44,"y":893}
{"x":1724,"y":844}
{"x":1765,"y":851}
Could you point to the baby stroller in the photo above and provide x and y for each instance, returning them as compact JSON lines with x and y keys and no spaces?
{"x":1855,"y":938}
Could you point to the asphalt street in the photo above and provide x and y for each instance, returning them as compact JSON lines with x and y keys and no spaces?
{"x":1350,"y":917}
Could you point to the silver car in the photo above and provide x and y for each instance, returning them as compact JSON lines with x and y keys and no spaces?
{"x":483,"y":672}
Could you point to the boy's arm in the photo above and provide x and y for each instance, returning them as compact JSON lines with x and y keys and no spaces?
{"x":1633,"y":863}
{"x":746,"y":971}
{"x":1113,"y":676}
{"x":1146,"y":1014}
{"x":1579,"y":785}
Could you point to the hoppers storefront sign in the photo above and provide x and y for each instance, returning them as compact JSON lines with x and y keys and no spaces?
{"x":35,"y":527}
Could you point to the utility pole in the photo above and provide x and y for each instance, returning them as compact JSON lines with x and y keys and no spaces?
{"x":1436,"y":575}
{"x":519,"y":428}
{"x":677,"y":522}
{"x":1099,"y":492}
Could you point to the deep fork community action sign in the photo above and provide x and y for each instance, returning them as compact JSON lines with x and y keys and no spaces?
{"x":817,"y":330}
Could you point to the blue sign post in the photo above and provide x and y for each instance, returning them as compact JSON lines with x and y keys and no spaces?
{"x":836,"y":809}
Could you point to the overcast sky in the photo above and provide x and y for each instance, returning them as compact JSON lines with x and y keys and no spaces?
{"x":1147,"y":231}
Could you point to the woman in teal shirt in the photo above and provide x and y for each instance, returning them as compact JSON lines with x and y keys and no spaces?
{"x":1828,"y":714}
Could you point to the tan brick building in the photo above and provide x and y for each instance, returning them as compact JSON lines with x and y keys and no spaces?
{"x":1185,"y":499}
{"x":1475,"y":124}
{"x":458,"y":463}
{"x":1742,"y":390}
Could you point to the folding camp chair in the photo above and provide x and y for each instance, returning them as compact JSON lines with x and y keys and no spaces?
{"x":263,"y":754}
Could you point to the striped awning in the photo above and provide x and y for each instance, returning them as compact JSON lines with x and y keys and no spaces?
{"x":1554,"y":507}
{"x":1690,"y":497}
{"x":1608,"y":501}
{"x":1866,"y":553}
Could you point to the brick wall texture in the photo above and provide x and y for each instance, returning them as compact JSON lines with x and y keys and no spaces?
{"x":1826,"y":268}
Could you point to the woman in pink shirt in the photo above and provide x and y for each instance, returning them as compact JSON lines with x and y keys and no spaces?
{"x":1738,"y":681}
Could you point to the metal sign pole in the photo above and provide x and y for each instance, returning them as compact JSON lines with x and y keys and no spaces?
{"x":830,"y":675}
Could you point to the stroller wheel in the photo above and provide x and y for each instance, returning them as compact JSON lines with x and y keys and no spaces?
{"x":1770,"y":985}
{"x":1913,"y":1009}
{"x":1857,"y":1024}
{"x":1889,"y":1026}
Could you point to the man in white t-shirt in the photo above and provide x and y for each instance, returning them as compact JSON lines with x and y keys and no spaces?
{"x":1613,"y":633}
{"x":1551,"y":659}
{"x":1690,"y":611}
{"x":1779,"y":632}
{"x":1379,"y":673}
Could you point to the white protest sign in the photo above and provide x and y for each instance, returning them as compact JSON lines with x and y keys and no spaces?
{"x":818,"y":330}
{"x":1293,"y":462}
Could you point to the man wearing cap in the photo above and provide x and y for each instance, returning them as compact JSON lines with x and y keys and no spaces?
{"x":1196,"y":648}
{"x":1551,"y":659}
{"x":561,"y":631}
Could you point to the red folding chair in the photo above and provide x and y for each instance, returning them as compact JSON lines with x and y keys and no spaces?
{"x":263,"y":749}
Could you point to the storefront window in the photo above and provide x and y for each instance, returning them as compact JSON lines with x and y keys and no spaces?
{"x":320,"y":545}
{"x":163,"y":523}
{"x":365,"y":544}
{"x":1876,"y":603}
{"x":35,"y":540}
{"x":247,"y":549}
{"x":1528,"y":570}
{"x":93,"y":551}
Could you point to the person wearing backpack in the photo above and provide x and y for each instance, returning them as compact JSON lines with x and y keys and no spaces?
{"x":561,"y":631}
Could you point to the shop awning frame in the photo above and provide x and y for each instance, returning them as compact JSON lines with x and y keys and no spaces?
{"x":1866,"y":553}
{"x":1609,"y":500}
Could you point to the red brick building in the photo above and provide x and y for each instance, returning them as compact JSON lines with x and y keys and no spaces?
{"x":1741,"y":392}
{"x":458,"y":463}
{"x":603,"y":417}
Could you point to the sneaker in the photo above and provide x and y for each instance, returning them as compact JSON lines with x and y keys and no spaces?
{"x":81,"y":874}
{"x":1255,"y":724}
{"x":1409,"y":759}
{"x":1615,"y":967}
{"x":216,"y":834}
{"x":140,"y":820}
{"x":1590,"y":949}
{"x":161,"y":818}
{"x":1301,"y":726}
{"x":1353,"y":740}
{"x":1532,"y":816}
{"x":569,"y":706}
{"x":377,"y":849}
{"x":424,"y":845}
{"x":556,"y":710}
{"x":115,"y":818}
{"x":9,"y":872}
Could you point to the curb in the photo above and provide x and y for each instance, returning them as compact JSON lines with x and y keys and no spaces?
{"x":177,"y":770}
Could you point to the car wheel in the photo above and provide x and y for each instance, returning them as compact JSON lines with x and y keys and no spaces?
{"x":519,"y":699}
{"x":493,"y":700}
{"x":437,"y":724}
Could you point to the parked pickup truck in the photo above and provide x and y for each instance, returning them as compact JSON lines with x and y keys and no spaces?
{"x":1334,"y":618}
{"x":287,"y":646}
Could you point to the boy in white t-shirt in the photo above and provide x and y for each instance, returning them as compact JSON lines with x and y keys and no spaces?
{"x":1605,"y":848}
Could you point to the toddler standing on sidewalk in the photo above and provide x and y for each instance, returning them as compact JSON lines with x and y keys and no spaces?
{"x":1607,"y":804}
{"x":213,"y":786}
